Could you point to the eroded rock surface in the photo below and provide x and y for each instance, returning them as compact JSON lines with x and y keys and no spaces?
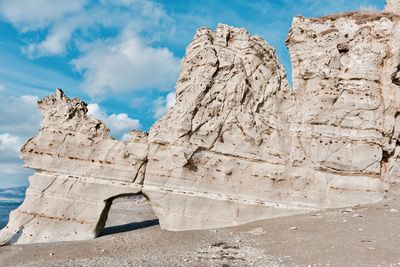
{"x":220,"y":153}
{"x":79,"y":169}
{"x":240,"y":144}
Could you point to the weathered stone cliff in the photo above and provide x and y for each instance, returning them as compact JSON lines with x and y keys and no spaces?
{"x":239,"y":145}
{"x":79,"y":170}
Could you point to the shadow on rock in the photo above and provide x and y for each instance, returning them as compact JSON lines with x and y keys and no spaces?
{"x":128,"y":227}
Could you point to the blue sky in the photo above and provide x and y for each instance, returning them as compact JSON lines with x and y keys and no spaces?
{"x":120,"y":56}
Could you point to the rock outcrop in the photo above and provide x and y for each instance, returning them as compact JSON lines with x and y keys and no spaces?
{"x":345,"y":71}
{"x":79,"y":170}
{"x":220,"y":154}
{"x":239,"y":145}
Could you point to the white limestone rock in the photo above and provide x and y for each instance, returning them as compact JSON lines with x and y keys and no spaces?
{"x":239,"y":145}
{"x":79,"y":170}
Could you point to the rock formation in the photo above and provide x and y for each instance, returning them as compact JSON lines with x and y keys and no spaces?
{"x":79,"y":170}
{"x":239,"y":145}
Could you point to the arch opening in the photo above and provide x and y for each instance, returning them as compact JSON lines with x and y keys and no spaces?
{"x":126,"y":212}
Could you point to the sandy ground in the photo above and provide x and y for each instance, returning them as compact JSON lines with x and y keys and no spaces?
{"x":367,"y":235}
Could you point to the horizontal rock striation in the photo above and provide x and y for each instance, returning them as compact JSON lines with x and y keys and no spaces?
{"x":240,"y":144}
{"x":220,"y":153}
{"x":79,"y":169}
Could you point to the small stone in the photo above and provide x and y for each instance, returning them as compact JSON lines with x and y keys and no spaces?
{"x":257,"y":231}
{"x":358,"y":215}
{"x":393,"y":211}
{"x":51,"y":254}
{"x":293,"y":228}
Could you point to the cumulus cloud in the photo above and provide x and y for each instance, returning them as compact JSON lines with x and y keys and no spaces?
{"x":124,"y":65}
{"x":124,"y":61}
{"x":20,"y":116}
{"x":54,"y":44}
{"x":161,"y":105}
{"x":35,"y":14}
{"x":20,"y":119}
{"x":14,"y":174}
{"x":119,"y":124}
{"x":9,"y":147}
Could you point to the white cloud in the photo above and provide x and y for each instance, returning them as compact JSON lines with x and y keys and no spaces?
{"x":20,"y":116}
{"x":161,"y":105}
{"x":29,"y":99}
{"x":2,"y":88}
{"x":125,"y":65}
{"x":54,"y":44}
{"x":63,"y":19}
{"x":17,"y":125}
{"x":20,"y":119}
{"x":22,"y":76}
{"x":369,"y":8}
{"x":14,"y":174}
{"x":35,"y":14}
{"x":9,"y":146}
{"x":119,"y":124}
{"x":123,"y":61}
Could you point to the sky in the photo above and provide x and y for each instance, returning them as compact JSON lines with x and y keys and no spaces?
{"x":122,"y":57}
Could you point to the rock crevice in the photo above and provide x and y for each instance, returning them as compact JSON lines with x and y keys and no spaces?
{"x":239,"y":145}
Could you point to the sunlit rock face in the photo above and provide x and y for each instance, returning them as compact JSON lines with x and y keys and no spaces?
{"x":79,"y":169}
{"x":240,"y":144}
{"x":220,"y":154}
{"x":346,"y":76}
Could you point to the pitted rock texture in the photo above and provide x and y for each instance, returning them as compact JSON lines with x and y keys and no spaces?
{"x":240,"y":144}
{"x":345,"y":71}
{"x":220,"y":153}
{"x":79,"y":169}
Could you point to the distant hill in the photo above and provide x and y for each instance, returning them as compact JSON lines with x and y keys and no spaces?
{"x":14,"y":194}
{"x":10,"y":199}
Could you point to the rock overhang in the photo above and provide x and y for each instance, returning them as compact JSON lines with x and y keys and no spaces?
{"x":239,"y":145}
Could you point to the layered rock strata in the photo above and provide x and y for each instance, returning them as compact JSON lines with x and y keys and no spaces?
{"x":345,"y":73}
{"x":239,"y":145}
{"x":221,"y":152}
{"x":79,"y":170}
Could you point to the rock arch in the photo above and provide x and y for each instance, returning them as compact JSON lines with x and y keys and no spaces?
{"x":239,"y":145}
